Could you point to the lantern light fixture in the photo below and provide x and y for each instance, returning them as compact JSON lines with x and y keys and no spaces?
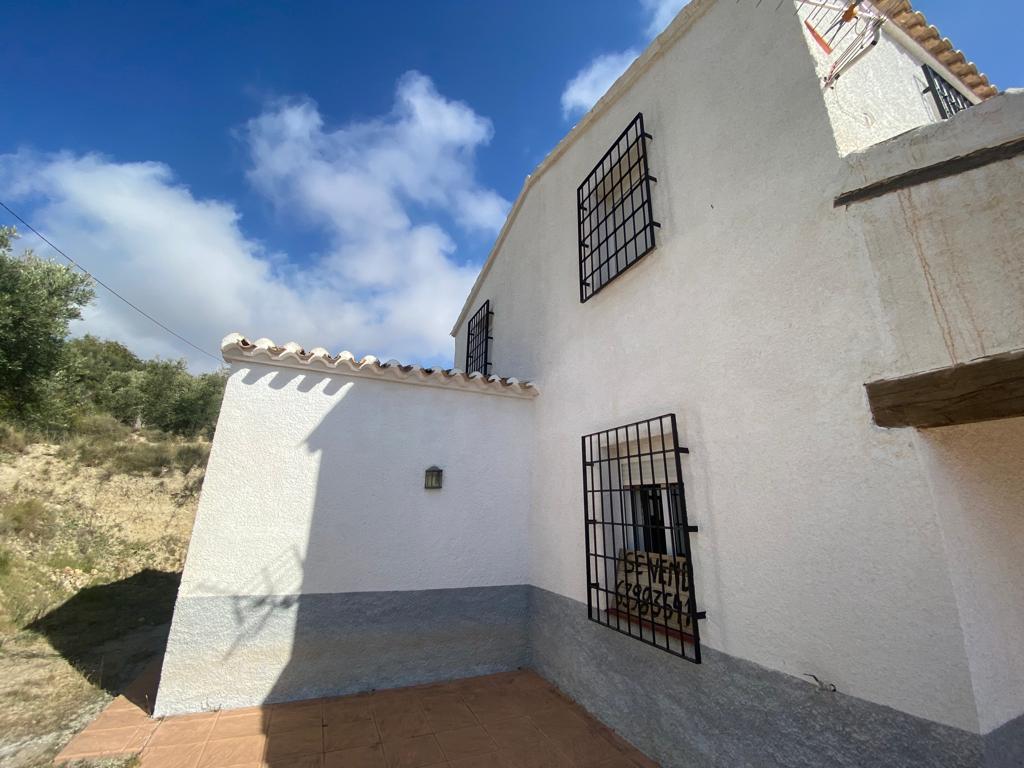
{"x":432,"y":478}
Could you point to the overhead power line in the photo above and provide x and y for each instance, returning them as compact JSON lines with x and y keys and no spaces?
{"x":95,"y":279}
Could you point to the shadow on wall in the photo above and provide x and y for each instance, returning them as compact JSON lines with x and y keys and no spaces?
{"x":370,"y":516}
{"x":110,"y":632}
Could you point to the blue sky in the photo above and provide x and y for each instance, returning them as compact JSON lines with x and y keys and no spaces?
{"x":332,"y":173}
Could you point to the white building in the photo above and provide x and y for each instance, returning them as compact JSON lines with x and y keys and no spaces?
{"x":829,"y":314}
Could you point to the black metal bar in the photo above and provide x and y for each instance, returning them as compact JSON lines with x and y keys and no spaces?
{"x":609,"y":200}
{"x":478,"y":340}
{"x":948,"y":100}
{"x":646,"y":592}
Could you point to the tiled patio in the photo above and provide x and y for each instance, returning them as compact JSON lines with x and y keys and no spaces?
{"x":509,"y":720}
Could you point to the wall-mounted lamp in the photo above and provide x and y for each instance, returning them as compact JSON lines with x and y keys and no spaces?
{"x":432,"y":478}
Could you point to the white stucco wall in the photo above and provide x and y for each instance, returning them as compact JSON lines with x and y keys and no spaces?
{"x":978,"y":482}
{"x":315,"y":485}
{"x":880,"y":96}
{"x":757,"y":321}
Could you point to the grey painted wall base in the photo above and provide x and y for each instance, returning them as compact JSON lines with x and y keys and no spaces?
{"x":728,"y":712}
{"x":241,"y":651}
{"x":1004,"y":747}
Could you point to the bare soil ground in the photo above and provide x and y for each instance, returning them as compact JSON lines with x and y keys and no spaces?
{"x":89,"y":566}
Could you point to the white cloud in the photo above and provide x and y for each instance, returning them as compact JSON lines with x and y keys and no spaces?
{"x":591,"y":82}
{"x":661,"y":12}
{"x":380,"y":190}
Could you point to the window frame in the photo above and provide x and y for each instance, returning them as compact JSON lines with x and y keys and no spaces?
{"x":596,"y":259}
{"x":948,"y":100}
{"x":620,"y":466}
{"x":481,"y":346}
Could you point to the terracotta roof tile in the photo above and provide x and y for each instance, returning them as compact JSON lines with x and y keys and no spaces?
{"x":237,"y":348}
{"x":913,"y":22}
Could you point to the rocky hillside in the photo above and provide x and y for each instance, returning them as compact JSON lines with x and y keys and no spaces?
{"x":93,"y":535}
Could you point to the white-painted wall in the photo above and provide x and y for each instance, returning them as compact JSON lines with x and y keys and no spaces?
{"x":880,"y":96}
{"x":315,"y":485}
{"x":757,"y":320}
{"x":977,"y":475}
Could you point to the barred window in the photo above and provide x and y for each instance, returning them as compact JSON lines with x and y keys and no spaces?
{"x":616,"y":219}
{"x":639,"y":568}
{"x":478,"y":340}
{"x":948,"y":100}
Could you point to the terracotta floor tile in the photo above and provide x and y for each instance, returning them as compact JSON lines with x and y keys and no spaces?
{"x":248,"y":724}
{"x":361,"y":757}
{"x":620,"y":761}
{"x":506,"y":720}
{"x":90,"y":742}
{"x":305,"y":741}
{"x":390,"y":703}
{"x":515,"y":732}
{"x":140,"y":739}
{"x":491,"y":706}
{"x":447,"y":712}
{"x":627,"y":750}
{"x":413,"y":753}
{"x":465,"y":742}
{"x":489,"y":760}
{"x":401,"y":725}
{"x":121,"y":702}
{"x":246,"y":712}
{"x":183,"y":729}
{"x":237,"y":750}
{"x":122,"y":717}
{"x":295,"y":761}
{"x":560,"y":722}
{"x":296,"y":716}
{"x":355,"y":733}
{"x":173,"y":756}
{"x":537,"y":756}
{"x":586,"y":749}
{"x":346,"y":710}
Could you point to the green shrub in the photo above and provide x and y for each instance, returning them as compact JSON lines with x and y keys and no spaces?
{"x":142,"y":458}
{"x":28,"y":517}
{"x":92,"y":452}
{"x":76,"y":560}
{"x":100,"y":426}
{"x":191,"y":455}
{"x":12,"y":439}
{"x":6,"y":559}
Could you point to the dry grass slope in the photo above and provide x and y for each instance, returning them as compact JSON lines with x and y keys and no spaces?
{"x":93,"y":534}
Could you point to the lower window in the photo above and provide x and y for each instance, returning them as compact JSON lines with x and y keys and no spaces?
{"x":639,"y":569}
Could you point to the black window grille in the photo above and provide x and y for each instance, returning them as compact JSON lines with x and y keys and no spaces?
{"x":639,"y":569}
{"x":948,"y":100}
{"x":616,"y":218}
{"x":478,"y":340}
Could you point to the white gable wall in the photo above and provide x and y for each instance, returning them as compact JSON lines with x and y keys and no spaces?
{"x":755,"y":322}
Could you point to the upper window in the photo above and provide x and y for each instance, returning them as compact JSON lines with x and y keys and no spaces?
{"x":616,"y":221}
{"x":478,"y":340}
{"x":948,"y":100}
